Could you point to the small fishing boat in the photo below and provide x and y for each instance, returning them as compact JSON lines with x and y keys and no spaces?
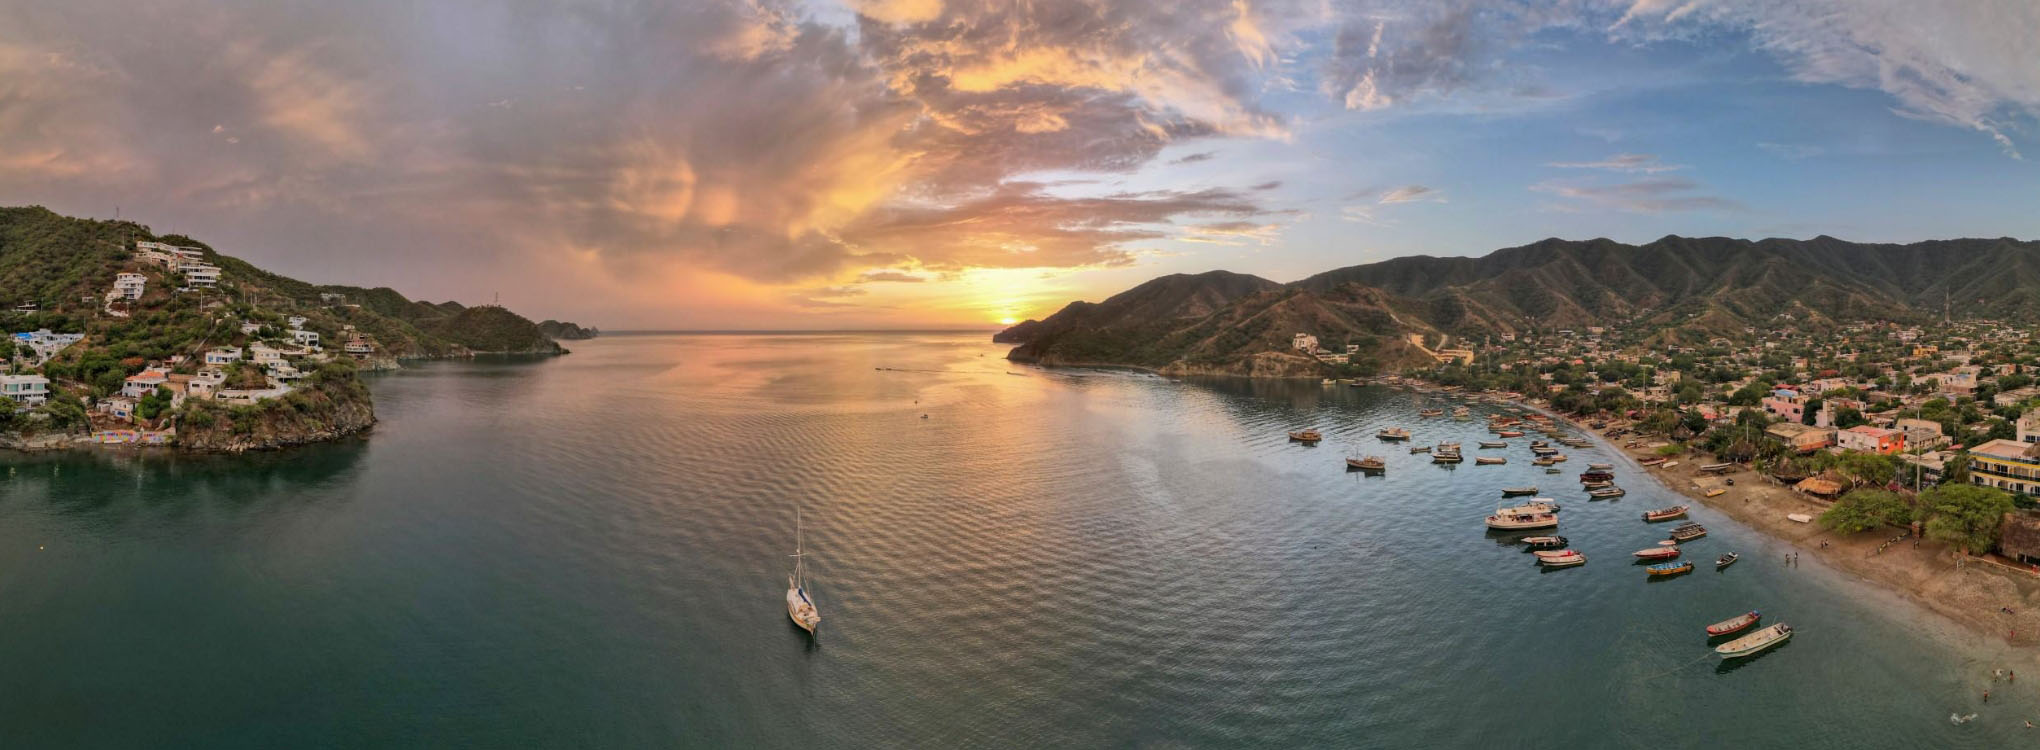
{"x":1716,"y":492}
{"x":1606,"y":492}
{"x":1568,"y":559}
{"x":1716,"y":468}
{"x":1557,"y":458}
{"x":1600,"y":467}
{"x":1652,"y":461}
{"x":1755,"y":642}
{"x":1535,"y":444}
{"x":1664,"y":514}
{"x":1688,"y":531}
{"x":1427,"y":413}
{"x":1328,"y":381}
{"x":1545,"y":542}
{"x":1538,"y":505}
{"x":1543,"y":461}
{"x":1489,"y":460}
{"x":1657,"y":553}
{"x":1369,"y":464}
{"x":1596,"y":476}
{"x":1733,"y":625}
{"x":1461,"y":413}
{"x":1393,"y":434}
{"x":1415,"y":449}
{"x":1670,"y":569}
{"x":1575,"y":442}
{"x":1514,"y":491}
{"x":1726,"y":560}
{"x":1493,"y":444}
{"x":1509,"y":433}
{"x":1306,"y":437}
{"x":1552,"y":470}
{"x":1447,"y":457}
{"x":1596,"y":485}
{"x":1517,"y":519}
{"x":798,"y":606}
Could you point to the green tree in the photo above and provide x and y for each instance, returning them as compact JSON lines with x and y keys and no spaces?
{"x":1866,"y":509}
{"x":1966,"y":515}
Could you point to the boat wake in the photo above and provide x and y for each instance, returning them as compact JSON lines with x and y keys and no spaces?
{"x":1960,"y":719}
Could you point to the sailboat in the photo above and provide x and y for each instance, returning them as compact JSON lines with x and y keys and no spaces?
{"x":798,"y":605}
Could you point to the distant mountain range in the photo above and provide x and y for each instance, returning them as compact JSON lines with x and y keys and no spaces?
{"x":1676,"y":287}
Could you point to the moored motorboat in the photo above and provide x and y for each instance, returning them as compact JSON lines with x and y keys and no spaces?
{"x":1461,"y":413}
{"x":1369,"y":464}
{"x":1733,"y":625}
{"x":1600,"y":467}
{"x":1509,"y":433}
{"x":1596,"y":476}
{"x":1489,"y":460}
{"x":1552,"y":470}
{"x":1657,"y":553}
{"x":1606,"y":492}
{"x":1561,"y":558}
{"x":1688,"y":531}
{"x":1542,"y":504}
{"x":1726,"y":560}
{"x":1515,"y":519}
{"x":1430,"y":412}
{"x":1596,"y":485}
{"x":1670,"y":569}
{"x":1543,"y":461}
{"x":1493,"y":444}
{"x":1664,"y":514}
{"x":1755,"y":642}
{"x":1514,"y":491}
{"x":1306,"y":436}
{"x":1393,"y":434}
{"x":1545,"y":542}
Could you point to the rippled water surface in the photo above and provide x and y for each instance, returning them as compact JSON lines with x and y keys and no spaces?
{"x":590,"y":551}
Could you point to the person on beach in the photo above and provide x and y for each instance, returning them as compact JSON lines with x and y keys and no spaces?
{"x":1986,"y":696}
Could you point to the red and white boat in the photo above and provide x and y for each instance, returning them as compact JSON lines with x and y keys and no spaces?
{"x":1736,"y":624}
{"x":1657,"y":553}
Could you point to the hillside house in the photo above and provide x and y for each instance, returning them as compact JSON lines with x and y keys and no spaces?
{"x":129,"y":286}
{"x":143,"y":383}
{"x":223,"y":355}
{"x":26,"y":389}
{"x":1800,"y":438}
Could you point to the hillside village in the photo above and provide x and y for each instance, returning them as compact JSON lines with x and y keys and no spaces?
{"x":1850,"y":416}
{"x":118,"y":336}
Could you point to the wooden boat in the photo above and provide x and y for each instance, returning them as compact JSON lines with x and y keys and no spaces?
{"x":1652,"y":461}
{"x":1799,"y":517}
{"x":1670,"y":569}
{"x":1535,"y":444}
{"x":1493,"y":444}
{"x":1558,"y":458}
{"x":1664,"y":514}
{"x":1306,"y":436}
{"x":1688,"y":531}
{"x":1567,"y":560}
{"x":1552,"y":470}
{"x":1545,"y":542}
{"x":1443,"y":457}
{"x":1539,"y":505}
{"x":1514,"y":491}
{"x":1461,"y":413}
{"x":1543,"y":461}
{"x":1596,"y":476}
{"x":1369,"y":464}
{"x":1489,"y":460}
{"x":1430,"y":412}
{"x":1517,"y":519}
{"x":1606,"y":492}
{"x":1716,"y":492}
{"x":1726,"y":560}
{"x":1596,"y":485}
{"x":1393,"y":434}
{"x":1733,"y":625}
{"x":1716,"y":468}
{"x":1657,"y":553}
{"x":799,"y":607}
{"x":1755,"y":642}
{"x":1415,"y":449}
{"x":1509,"y":433}
{"x":1600,"y":467}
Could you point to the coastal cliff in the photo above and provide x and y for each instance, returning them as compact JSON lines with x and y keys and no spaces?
{"x":332,"y":403}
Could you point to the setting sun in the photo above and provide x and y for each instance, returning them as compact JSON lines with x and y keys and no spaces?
{"x":1006,"y":321}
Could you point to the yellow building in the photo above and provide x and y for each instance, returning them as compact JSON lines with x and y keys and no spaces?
{"x":1922,"y":351}
{"x":2007,"y":465}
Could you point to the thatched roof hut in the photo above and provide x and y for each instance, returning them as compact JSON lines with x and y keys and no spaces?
{"x":2019,"y":537}
{"x":1819,"y":486}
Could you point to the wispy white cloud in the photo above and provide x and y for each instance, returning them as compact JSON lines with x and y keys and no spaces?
{"x":1642,"y":163}
{"x":1654,"y":195}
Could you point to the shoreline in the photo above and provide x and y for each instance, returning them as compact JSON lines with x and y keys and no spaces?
{"x":1925,"y":575}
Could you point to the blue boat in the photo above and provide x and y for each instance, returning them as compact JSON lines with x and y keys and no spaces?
{"x":1670,"y":569}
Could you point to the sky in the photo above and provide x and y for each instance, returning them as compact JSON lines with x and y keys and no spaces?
{"x":823,"y":164}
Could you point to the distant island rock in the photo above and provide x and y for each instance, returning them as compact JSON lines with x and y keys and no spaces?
{"x":1415,"y":311}
{"x":119,"y":335}
{"x":559,"y":330}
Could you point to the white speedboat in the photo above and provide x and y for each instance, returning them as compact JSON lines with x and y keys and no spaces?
{"x":1755,"y":642}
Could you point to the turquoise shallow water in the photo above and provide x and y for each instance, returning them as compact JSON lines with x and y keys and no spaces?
{"x":590,"y":552}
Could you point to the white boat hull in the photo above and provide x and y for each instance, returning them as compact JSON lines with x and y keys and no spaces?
{"x":801,"y":611}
